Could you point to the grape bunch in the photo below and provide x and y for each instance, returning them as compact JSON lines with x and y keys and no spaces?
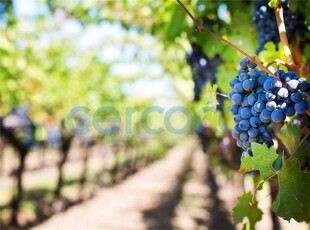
{"x":266,"y":23}
{"x":203,"y":68}
{"x":258,"y":100}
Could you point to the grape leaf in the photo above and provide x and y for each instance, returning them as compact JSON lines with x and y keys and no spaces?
{"x":210,"y":96}
{"x":274,"y":3}
{"x":261,"y":160}
{"x":247,"y":207}
{"x":271,"y":53}
{"x":290,"y":137}
{"x":293,"y":200}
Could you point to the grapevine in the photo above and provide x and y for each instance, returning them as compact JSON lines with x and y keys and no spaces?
{"x":263,"y":103}
{"x":266,"y":24}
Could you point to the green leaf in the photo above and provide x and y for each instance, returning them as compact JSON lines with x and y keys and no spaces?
{"x":261,"y":160}
{"x":274,"y":3}
{"x":293,"y":200}
{"x":210,"y":97}
{"x":271,"y":53}
{"x":290,"y":137}
{"x":247,"y":207}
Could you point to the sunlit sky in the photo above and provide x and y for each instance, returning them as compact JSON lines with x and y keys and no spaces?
{"x":119,"y":55}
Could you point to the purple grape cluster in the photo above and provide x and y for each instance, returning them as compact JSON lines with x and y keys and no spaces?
{"x":258,"y":100}
{"x":203,"y":68}
{"x":266,"y":23}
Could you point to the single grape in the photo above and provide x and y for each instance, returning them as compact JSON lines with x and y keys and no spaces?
{"x":238,"y":88}
{"x":244,"y":136}
{"x":290,"y":111}
{"x":233,"y":81}
{"x":244,"y":63}
{"x":296,"y":97}
{"x":244,"y":125}
{"x":251,"y":99}
{"x":254,"y":73}
{"x":244,"y":76}
{"x":292,"y":85}
{"x":277,"y":116}
{"x":271,"y":106}
{"x":234,"y":109}
{"x":301,"y":107}
{"x":246,"y":113}
{"x":237,"y":99}
{"x":266,"y":114}
{"x":248,"y":85}
{"x":304,"y":87}
{"x":259,"y":106}
{"x":253,"y":132}
{"x":282,"y":93}
{"x":255,"y":122}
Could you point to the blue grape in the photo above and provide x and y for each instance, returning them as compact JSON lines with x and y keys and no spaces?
{"x":265,"y":114}
{"x":262,"y":78}
{"x":301,"y":107}
{"x":246,"y":113}
{"x":237,"y":118}
{"x":237,"y":99}
{"x":259,"y":90}
{"x":290,"y":111}
{"x":251,"y":99}
{"x":262,"y":97}
{"x":259,"y":106}
{"x":235,"y":134}
{"x":239,"y":143}
{"x":304,"y":87}
{"x":263,"y":119}
{"x":248,"y":85}
{"x":271,"y":105}
{"x":255,"y":122}
{"x":244,"y":63}
{"x":238,"y":88}
{"x":234,"y":81}
{"x":284,"y":106}
{"x":253,"y":139}
{"x":254,"y":112}
{"x":269,"y":84}
{"x":245,"y":102}
{"x":282,"y":93}
{"x":254,"y":73}
{"x":292,"y":85}
{"x":243,"y":76}
{"x":296,"y":97}
{"x":244,"y":136}
{"x":253,"y":132}
{"x":267,"y":134}
{"x":277,"y":116}
{"x":231,"y":93}
{"x":234,"y":109}
{"x":270,"y":96}
{"x":241,"y":70}
{"x":244,"y":125}
{"x":277,"y":84}
{"x":246,"y":144}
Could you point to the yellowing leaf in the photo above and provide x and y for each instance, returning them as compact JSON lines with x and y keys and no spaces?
{"x":274,"y":3}
{"x":210,"y":97}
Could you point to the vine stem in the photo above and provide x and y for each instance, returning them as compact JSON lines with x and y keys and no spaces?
{"x":222,"y":95}
{"x":283,"y":38}
{"x":200,"y":28}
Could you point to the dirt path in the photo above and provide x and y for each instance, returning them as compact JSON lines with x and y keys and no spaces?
{"x":130,"y":204}
{"x":182,"y":191}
